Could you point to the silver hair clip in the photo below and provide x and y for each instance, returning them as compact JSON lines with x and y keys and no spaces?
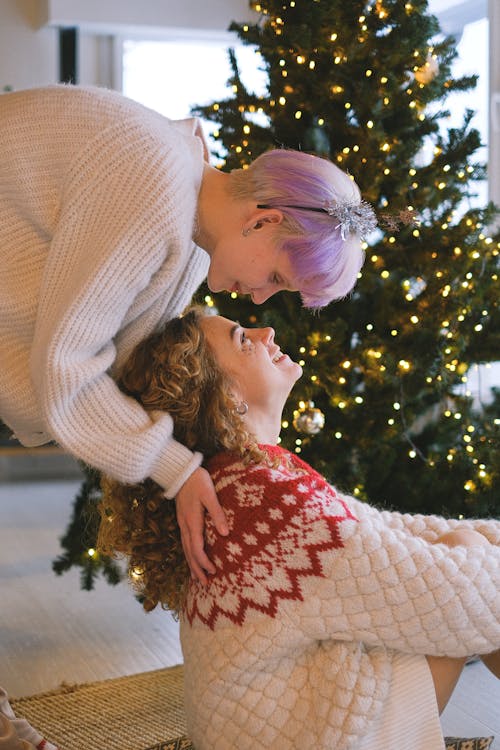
{"x":354,"y":217}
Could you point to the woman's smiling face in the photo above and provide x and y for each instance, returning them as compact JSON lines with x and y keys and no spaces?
{"x":262,"y":373}
{"x":252,"y":265}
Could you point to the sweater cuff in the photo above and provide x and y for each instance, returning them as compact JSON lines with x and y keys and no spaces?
{"x":175,"y":467}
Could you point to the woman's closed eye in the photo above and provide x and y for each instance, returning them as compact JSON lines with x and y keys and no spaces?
{"x":284,"y":283}
{"x":245,"y":342}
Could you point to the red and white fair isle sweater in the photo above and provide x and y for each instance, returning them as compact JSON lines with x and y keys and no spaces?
{"x":291,"y":644}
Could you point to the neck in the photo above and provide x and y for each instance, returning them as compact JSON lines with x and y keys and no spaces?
{"x":218,"y":212}
{"x":212,"y":199}
{"x":263,"y":426}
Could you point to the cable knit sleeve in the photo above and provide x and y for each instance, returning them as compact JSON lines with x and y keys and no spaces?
{"x":340,"y":571}
{"x":123,"y":236}
{"x":387,"y":587}
{"x":427,"y":527}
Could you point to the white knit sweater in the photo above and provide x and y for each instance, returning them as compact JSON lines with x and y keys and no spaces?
{"x":97,"y":206}
{"x":291,"y":644}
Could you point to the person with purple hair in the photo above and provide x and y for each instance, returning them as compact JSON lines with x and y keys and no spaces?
{"x":111,"y":217}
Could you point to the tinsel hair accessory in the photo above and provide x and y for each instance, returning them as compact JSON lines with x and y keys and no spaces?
{"x":353,"y":217}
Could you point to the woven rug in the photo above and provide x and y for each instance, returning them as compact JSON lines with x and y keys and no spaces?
{"x":140,"y":712}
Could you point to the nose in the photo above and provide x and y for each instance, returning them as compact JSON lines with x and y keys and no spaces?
{"x":267,"y":335}
{"x":261,"y":295}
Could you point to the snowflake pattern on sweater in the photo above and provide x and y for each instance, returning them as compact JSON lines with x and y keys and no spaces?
{"x":293,"y":642}
{"x":286,"y":517}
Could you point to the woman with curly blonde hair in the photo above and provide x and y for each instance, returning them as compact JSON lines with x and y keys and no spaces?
{"x":327,"y":623}
{"x":173,"y":371}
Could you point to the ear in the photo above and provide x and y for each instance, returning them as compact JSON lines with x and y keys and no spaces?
{"x":236,"y":391}
{"x":262,"y":217}
{"x":236,"y":395}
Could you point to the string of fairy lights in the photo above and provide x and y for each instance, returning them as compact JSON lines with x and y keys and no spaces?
{"x":410,"y":289}
{"x":306,"y":417}
{"x":424,"y":68}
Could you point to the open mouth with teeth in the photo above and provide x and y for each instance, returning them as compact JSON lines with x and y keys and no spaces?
{"x":279,"y":356}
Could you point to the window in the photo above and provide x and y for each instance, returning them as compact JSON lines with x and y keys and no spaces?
{"x":161,"y":74}
{"x":473,"y":58}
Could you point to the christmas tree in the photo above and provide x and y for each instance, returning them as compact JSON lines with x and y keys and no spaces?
{"x":365,"y":84}
{"x":383,"y":408}
{"x":79,"y":540}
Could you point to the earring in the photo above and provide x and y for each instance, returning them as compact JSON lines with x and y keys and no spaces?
{"x":241,"y":409}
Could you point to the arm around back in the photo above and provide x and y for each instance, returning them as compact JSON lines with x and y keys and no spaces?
{"x":118,"y":264}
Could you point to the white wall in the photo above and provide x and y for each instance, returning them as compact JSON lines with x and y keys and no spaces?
{"x":152,"y":16}
{"x":29,"y":49}
{"x":28,"y":53}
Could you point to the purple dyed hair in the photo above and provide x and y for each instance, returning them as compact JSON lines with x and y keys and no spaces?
{"x":327,"y":264}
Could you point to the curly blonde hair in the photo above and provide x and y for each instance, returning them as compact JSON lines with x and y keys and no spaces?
{"x":174,"y":370}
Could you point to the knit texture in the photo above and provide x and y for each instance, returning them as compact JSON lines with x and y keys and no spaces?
{"x":97,"y":206}
{"x":291,"y":644}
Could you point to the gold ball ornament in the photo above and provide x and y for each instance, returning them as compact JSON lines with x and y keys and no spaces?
{"x":308,"y":419}
{"x":428,"y":71}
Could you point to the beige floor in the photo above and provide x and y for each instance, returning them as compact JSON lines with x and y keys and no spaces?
{"x":52,"y":632}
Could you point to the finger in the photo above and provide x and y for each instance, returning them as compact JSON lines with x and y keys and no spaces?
{"x":201,"y":560}
{"x":197,"y":572}
{"x":196,"y":558}
{"x":216,"y":513}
